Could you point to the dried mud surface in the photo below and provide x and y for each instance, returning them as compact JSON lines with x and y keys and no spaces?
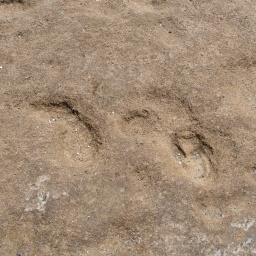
{"x":127,"y":127}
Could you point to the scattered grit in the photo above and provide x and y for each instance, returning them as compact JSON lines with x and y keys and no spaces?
{"x":127,"y":127}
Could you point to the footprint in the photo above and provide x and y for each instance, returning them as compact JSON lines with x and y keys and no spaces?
{"x":193,"y":155}
{"x":12,"y":1}
{"x":139,"y":121}
{"x":70,"y":139}
{"x":20,"y":2}
{"x":158,"y":2}
{"x":14,"y":6}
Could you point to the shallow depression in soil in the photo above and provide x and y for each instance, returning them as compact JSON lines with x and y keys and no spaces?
{"x":61,"y":136}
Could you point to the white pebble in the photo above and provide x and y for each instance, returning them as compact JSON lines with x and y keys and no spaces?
{"x":51,"y":120}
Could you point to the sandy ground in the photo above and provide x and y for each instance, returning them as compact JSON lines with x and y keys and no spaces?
{"x":127,"y":127}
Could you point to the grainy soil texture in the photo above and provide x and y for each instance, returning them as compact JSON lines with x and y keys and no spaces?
{"x":127,"y":127}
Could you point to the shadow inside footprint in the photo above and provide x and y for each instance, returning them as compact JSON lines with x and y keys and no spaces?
{"x":193,"y":155}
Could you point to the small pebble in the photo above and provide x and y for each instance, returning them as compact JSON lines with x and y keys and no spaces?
{"x":52,"y":120}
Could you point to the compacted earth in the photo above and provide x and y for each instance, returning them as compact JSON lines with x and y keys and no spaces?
{"x":127,"y":127}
